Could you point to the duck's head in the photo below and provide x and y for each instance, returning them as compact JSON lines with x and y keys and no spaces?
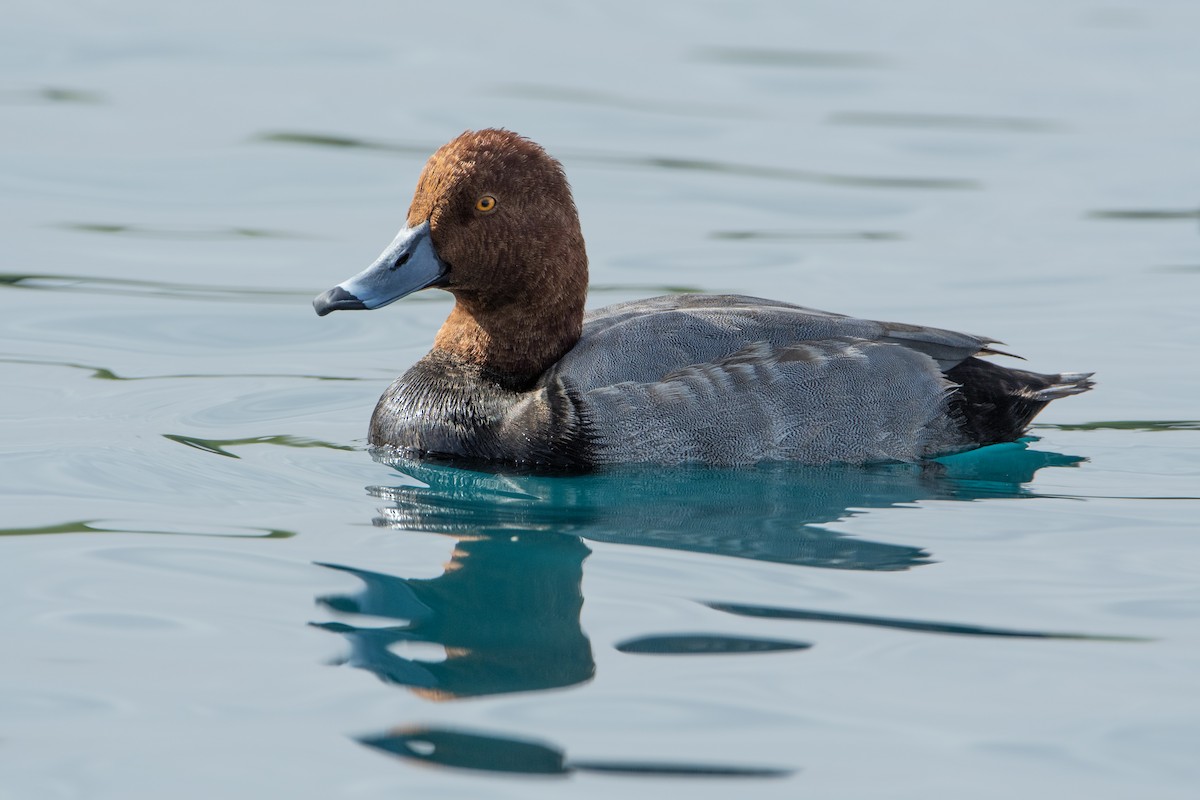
{"x":493,"y":222}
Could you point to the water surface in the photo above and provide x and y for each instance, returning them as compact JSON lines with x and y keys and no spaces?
{"x":214,"y":590}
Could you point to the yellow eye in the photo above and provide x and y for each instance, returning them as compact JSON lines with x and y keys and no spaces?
{"x":485,"y":204}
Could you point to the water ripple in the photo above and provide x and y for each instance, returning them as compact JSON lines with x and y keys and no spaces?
{"x":212,"y":563}
{"x":695,"y":644}
{"x":780,"y":173}
{"x":591,"y":97}
{"x":788,"y":58}
{"x":343,"y":142}
{"x":50,"y":94}
{"x":943,"y":121}
{"x":656,"y":162}
{"x":152,"y":232}
{"x":217,"y":446}
{"x":1126,"y":425}
{"x":133,"y":287}
{"x":101,"y":526}
{"x":848,"y":236}
{"x":1146,"y":214}
{"x":895,"y":623}
{"x":473,"y":750}
{"x":106,"y":374}
{"x":19,"y":702}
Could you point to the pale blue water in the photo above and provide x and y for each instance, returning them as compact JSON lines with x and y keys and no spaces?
{"x":211,"y":590}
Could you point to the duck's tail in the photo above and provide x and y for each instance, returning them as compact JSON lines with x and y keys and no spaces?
{"x":1063,"y":384}
{"x":996,"y":404}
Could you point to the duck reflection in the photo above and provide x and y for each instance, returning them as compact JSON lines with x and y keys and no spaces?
{"x":475,"y":750}
{"x":771,"y":512}
{"x":507,"y":608}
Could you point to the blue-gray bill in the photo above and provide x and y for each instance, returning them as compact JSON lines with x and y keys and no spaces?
{"x":410,"y":263}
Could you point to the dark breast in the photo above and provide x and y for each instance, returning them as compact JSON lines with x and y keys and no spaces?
{"x":446,"y":409}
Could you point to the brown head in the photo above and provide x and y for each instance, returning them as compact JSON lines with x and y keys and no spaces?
{"x":493,"y":222}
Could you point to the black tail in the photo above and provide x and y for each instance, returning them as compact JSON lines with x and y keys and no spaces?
{"x":996,"y":404}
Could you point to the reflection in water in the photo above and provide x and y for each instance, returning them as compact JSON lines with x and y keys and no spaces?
{"x":506,"y":610}
{"x":771,"y":512}
{"x":957,"y":629}
{"x":692,"y":644}
{"x":472,"y":750}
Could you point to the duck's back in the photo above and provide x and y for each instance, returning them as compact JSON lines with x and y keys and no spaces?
{"x":727,"y":379}
{"x":643,"y":340}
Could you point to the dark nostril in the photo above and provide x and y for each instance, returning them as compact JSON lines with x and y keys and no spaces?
{"x":400,"y":262}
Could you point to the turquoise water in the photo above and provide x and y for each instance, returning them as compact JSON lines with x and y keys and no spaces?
{"x":213,"y":590}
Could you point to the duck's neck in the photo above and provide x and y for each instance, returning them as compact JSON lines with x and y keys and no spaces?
{"x":514,"y":341}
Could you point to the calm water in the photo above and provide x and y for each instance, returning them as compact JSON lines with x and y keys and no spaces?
{"x":211,"y":589}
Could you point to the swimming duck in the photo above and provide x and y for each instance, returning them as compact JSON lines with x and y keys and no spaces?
{"x":521,"y":374}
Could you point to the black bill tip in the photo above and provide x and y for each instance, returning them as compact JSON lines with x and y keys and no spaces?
{"x":337,"y":299}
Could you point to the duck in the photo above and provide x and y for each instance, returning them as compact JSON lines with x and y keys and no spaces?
{"x":521,"y":374}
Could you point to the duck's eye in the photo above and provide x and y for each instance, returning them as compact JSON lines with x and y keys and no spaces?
{"x":485,"y":204}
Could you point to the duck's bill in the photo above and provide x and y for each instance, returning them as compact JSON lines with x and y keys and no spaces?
{"x":409,"y":263}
